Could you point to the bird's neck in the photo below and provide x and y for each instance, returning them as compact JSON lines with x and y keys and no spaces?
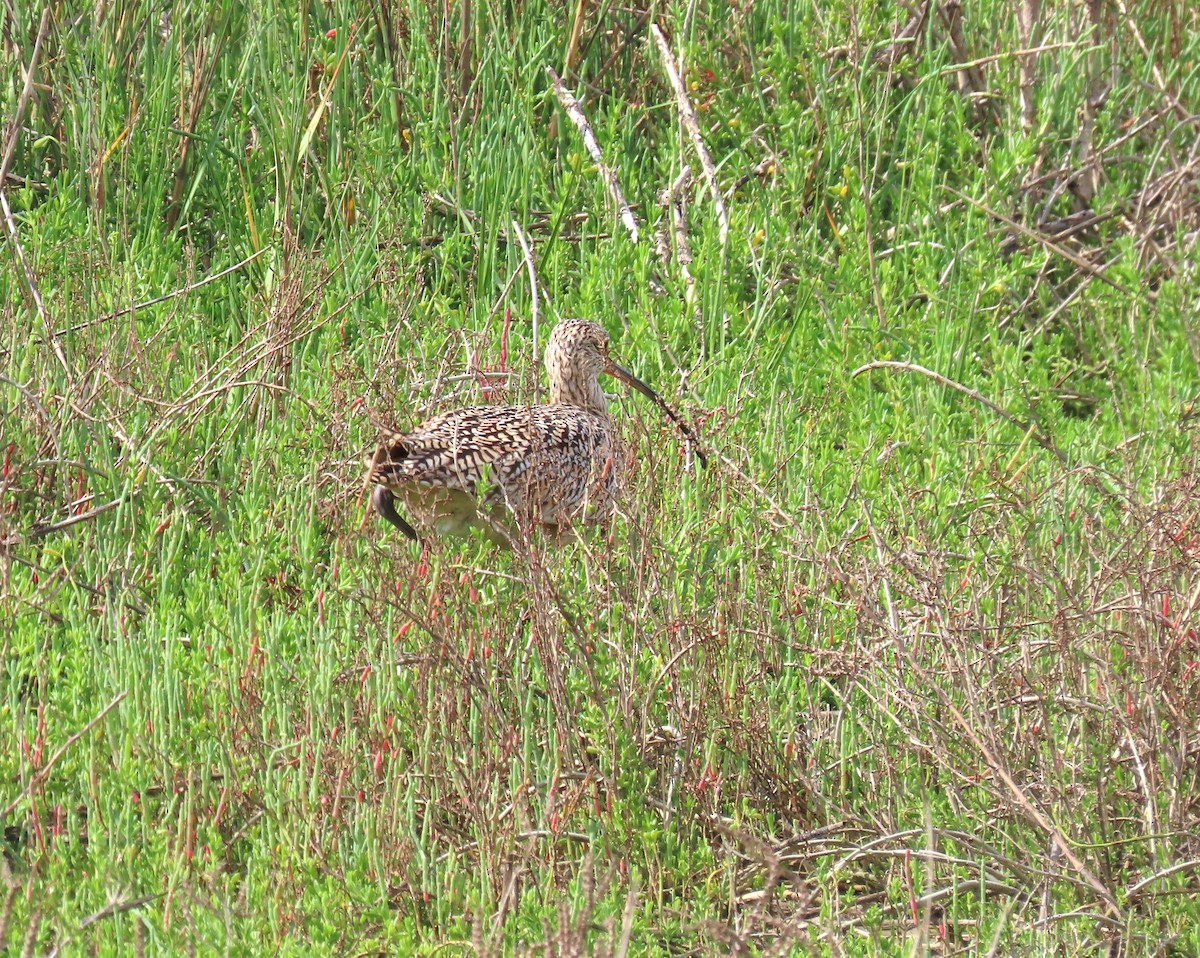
{"x":586,"y":394}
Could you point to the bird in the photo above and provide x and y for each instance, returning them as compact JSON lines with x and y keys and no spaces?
{"x":548,"y":464}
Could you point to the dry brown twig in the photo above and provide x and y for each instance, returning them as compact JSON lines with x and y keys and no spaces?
{"x":971,"y":84}
{"x":575,"y":112}
{"x":165,"y":297}
{"x":905,"y":39}
{"x":736,"y":471}
{"x":118,"y":908}
{"x":970,"y":79}
{"x":870,"y":173}
{"x":14,"y":130}
{"x":38,"y":532}
{"x":1009,"y":55}
{"x":688,"y":116}
{"x":1029,"y":12}
{"x":1018,"y":795}
{"x":1049,"y":244}
{"x":42,"y":412}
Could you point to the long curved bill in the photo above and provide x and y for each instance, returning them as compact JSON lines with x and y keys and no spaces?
{"x":385,"y":504}
{"x":629,"y":379}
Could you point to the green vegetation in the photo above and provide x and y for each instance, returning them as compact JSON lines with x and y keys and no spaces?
{"x":911,"y":668}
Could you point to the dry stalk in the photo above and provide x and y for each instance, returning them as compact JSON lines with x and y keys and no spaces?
{"x":904,"y":40}
{"x":1180,"y":110}
{"x":386,"y":22}
{"x":205,"y":58}
{"x":736,"y":472}
{"x":42,"y":413}
{"x":1049,"y":244}
{"x":31,"y":933}
{"x":1017,"y":794}
{"x":38,"y":532}
{"x":674,"y":201}
{"x":166,"y":297}
{"x":1028,"y":14}
{"x":970,"y":79}
{"x":573,"y":41}
{"x":108,"y":911}
{"x":575,"y":112}
{"x":867,"y":188}
{"x":1007,"y":54}
{"x":14,"y":130}
{"x":12,"y":888}
{"x":971,"y":85}
{"x":527,"y":253}
{"x":9,"y":223}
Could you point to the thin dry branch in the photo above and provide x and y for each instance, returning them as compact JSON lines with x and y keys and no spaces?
{"x":43,"y":413}
{"x":1049,"y":244}
{"x":1029,"y":13}
{"x":1137,"y":889}
{"x":14,"y":129}
{"x":971,"y":85}
{"x":38,"y":532}
{"x":1180,"y":110}
{"x":688,"y":116}
{"x":1022,"y":800}
{"x":1008,"y":54}
{"x":118,"y":908}
{"x":44,"y":772}
{"x":1043,"y":438}
{"x":674,"y":200}
{"x":736,"y":471}
{"x":905,"y":39}
{"x":174,"y":294}
{"x":575,"y":112}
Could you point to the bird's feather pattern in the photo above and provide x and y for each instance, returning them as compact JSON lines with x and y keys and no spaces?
{"x":552,"y":462}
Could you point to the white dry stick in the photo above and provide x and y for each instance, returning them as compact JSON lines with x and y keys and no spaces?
{"x":677,"y":201}
{"x":688,"y":115}
{"x":571,"y":105}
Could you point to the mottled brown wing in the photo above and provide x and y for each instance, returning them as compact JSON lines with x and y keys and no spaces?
{"x":457,"y":449}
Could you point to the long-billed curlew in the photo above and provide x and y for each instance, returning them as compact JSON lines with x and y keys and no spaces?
{"x":549,"y":464}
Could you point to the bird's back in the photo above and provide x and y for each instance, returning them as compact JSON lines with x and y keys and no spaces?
{"x":554,"y":462}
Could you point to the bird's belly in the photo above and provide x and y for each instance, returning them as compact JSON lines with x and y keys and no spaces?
{"x":448,"y":512}
{"x":586,"y":495}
